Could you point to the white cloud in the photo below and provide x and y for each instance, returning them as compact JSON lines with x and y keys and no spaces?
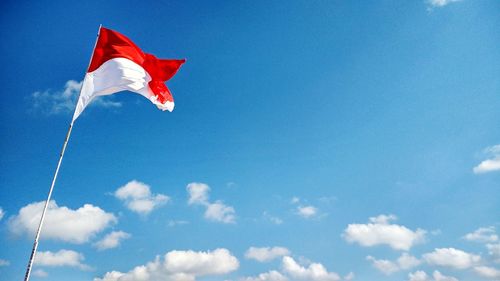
{"x":304,"y":269}
{"x":405,"y":261}
{"x":440,"y":3}
{"x":487,"y":272}
{"x":111,"y":240}
{"x":61,"y":223}
{"x":383,"y":219}
{"x":436,"y":276}
{"x":2,"y":213}
{"x":198,"y":193}
{"x":61,"y":258}
{"x":314,"y":272}
{"x":493,"y":150}
{"x":307,"y":211}
{"x":266,"y":254}
{"x":451,"y":257}
{"x":40,"y":273}
{"x":63,"y":101}
{"x":217,"y":211}
{"x":489,"y":165}
{"x":380,"y":232}
{"x":179,"y":266}
{"x":483,"y":235}
{"x":219,"y":261}
{"x":418,"y":276}
{"x":138,"y":198}
{"x":272,"y":275}
{"x":385,"y":266}
{"x":4,"y":262}
{"x":220,"y":212}
{"x":56,"y":102}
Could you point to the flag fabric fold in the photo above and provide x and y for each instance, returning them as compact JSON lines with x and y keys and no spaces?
{"x":118,"y":64}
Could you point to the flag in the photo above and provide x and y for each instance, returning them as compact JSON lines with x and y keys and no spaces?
{"x":117,"y":64}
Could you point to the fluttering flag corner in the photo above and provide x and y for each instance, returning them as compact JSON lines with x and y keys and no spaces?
{"x":118,"y":64}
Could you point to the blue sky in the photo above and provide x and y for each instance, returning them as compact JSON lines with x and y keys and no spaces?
{"x":311,"y":140}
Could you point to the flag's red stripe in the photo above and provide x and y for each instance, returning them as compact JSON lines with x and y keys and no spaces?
{"x":112,"y":44}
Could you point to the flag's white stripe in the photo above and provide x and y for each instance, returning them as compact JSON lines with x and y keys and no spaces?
{"x":115,"y":75}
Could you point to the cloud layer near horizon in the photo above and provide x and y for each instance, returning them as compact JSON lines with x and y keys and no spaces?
{"x":179,"y":266}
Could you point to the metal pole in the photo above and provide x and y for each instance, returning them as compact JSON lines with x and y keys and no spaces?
{"x":35,"y":245}
{"x":37,"y":237}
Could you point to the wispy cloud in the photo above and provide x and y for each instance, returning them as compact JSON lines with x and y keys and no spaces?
{"x":304,"y":210}
{"x":439,"y":3}
{"x":307,"y":211}
{"x":349,"y":276}
{"x":111,"y":240}
{"x":138,"y":198}
{"x":482,"y":235}
{"x":63,"y":101}
{"x":274,"y":219}
{"x":405,"y":261}
{"x":487,"y":272}
{"x":179,"y":265}
{"x":489,"y":165}
{"x":2,"y":213}
{"x":494,"y":251}
{"x":436,"y":276}
{"x":172,"y":223}
{"x":380,"y":231}
{"x":272,"y":275}
{"x":4,"y":262}
{"x":40,"y":273}
{"x":198,"y":194}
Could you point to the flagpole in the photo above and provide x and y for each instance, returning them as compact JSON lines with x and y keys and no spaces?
{"x":61,"y":155}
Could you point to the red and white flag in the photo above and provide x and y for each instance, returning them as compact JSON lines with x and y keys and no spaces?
{"x":118,"y":64}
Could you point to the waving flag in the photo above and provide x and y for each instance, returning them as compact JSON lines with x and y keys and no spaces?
{"x":118,"y":64}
